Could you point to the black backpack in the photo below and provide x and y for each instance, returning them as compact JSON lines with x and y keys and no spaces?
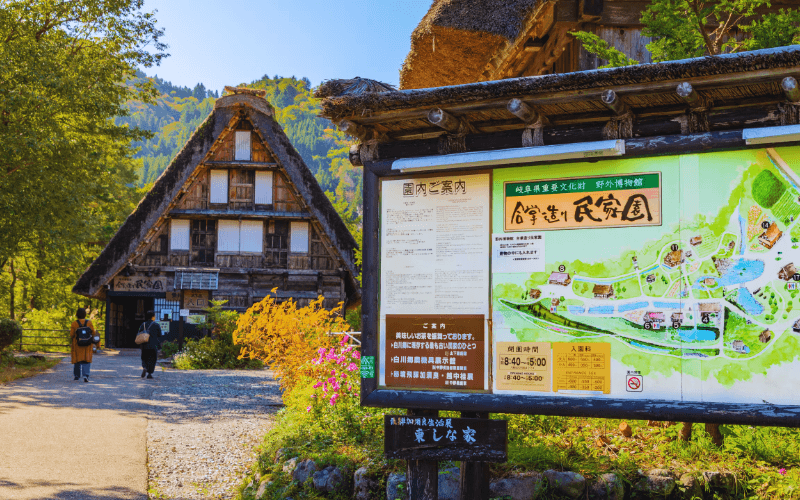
{"x":83,"y":334}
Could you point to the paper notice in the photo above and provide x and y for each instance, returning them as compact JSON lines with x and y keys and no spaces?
{"x":518,"y":252}
{"x":523,"y":366}
{"x":435,"y":245}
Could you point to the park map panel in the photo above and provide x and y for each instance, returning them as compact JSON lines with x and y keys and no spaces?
{"x":696,"y":301}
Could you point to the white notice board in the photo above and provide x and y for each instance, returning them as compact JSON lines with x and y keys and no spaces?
{"x":435,"y":248}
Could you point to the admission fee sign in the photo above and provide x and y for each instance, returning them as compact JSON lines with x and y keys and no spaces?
{"x":650,"y":287}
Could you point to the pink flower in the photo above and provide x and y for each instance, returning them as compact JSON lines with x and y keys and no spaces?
{"x":317,"y":385}
{"x":353,"y":367}
{"x":344,"y":340}
{"x":356,"y":354}
{"x":782,"y":472}
{"x":308,"y":409}
{"x":321,"y":350}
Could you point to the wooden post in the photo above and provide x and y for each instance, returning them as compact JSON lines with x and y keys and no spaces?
{"x":475,"y":476}
{"x":423,"y":475}
{"x":790,"y":89}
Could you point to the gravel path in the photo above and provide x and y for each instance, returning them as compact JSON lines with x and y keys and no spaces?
{"x":202,"y":428}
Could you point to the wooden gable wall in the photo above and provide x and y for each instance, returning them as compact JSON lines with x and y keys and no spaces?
{"x":245,"y":277}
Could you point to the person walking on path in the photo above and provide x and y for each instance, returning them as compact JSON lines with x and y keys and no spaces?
{"x":82,"y":354}
{"x":150,"y":348}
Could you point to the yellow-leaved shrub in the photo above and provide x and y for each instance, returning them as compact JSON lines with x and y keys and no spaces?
{"x":286,"y":338}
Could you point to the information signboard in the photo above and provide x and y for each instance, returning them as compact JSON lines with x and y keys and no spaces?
{"x":668,"y":283}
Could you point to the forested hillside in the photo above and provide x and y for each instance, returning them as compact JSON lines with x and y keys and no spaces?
{"x":179,"y":110}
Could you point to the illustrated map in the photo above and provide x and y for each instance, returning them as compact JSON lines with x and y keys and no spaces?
{"x":708,"y":299}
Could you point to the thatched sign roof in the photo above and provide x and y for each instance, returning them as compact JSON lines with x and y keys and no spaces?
{"x":153,"y":209}
{"x":748,"y":84}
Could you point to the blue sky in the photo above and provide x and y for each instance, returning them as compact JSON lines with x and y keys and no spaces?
{"x":237,"y":41}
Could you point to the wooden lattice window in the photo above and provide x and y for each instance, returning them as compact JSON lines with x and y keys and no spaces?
{"x":242,"y":190}
{"x":276,"y":243}
{"x":318,"y":251}
{"x":204,"y":241}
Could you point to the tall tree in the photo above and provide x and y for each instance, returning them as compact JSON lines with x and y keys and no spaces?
{"x":63,"y":161}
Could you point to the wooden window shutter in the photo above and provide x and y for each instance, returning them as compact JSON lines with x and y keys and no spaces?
{"x":242,"y":145}
{"x":299,"y":237}
{"x":219,"y":186}
{"x":179,"y":234}
{"x":251,"y":236}
{"x":228,"y":236}
{"x":263,"y":188}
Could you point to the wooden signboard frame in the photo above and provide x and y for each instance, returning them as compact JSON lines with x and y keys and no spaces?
{"x":474,"y":402}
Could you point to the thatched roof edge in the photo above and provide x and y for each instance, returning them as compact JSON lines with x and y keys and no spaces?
{"x":337,"y":108}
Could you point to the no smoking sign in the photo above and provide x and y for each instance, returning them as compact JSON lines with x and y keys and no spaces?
{"x":634,"y":383}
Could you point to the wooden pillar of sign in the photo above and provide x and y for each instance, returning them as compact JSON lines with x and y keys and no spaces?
{"x":423,"y":475}
{"x":475,"y":476}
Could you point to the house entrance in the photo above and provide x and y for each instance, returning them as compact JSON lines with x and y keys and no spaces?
{"x":125,"y":316}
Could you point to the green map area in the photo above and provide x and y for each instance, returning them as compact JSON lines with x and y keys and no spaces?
{"x":717,"y":282}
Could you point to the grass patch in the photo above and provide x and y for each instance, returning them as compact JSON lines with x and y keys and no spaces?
{"x":23,"y":367}
{"x":589,"y":446}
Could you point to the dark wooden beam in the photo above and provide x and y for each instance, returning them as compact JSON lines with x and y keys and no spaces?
{"x":790,"y":89}
{"x":242,"y":164}
{"x":248,"y":214}
{"x":238,"y":270}
{"x":444,"y":120}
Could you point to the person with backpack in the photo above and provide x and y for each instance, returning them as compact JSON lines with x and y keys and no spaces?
{"x":83,"y":335}
{"x":149,"y":339}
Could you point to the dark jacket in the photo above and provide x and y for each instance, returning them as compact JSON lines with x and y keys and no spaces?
{"x":154,"y":330}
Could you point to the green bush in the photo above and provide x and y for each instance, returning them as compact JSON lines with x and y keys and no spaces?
{"x":217,"y":351}
{"x":169,"y":348}
{"x":10,"y":332}
{"x":212,"y":353}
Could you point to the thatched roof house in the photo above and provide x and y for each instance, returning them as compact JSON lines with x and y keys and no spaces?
{"x":236,"y":214}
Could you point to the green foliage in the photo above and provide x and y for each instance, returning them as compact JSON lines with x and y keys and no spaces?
{"x":692,"y":28}
{"x":212,"y":353}
{"x":10,"y":332}
{"x":767,"y":189}
{"x":169,"y":348}
{"x":65,"y":163}
{"x":599,"y":47}
{"x":217,"y":351}
{"x":773,"y":30}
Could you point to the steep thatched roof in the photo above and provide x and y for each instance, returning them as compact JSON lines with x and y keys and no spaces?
{"x":457,"y":38}
{"x":352,"y":86}
{"x":132,"y":235}
{"x":338,"y":108}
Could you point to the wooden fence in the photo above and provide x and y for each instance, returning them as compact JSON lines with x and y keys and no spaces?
{"x":47,"y":340}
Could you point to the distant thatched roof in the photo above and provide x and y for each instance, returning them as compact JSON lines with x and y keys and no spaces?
{"x":337,"y":108}
{"x":457,"y":38}
{"x":353,"y":86}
